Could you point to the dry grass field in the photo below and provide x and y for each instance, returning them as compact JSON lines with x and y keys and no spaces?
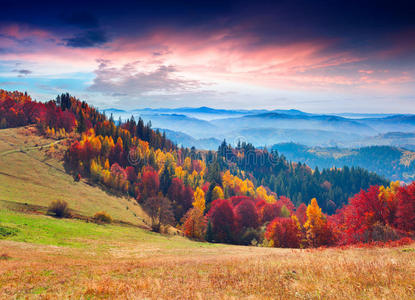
{"x":50,"y":258}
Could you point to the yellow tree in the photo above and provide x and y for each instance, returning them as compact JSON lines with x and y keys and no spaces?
{"x":160,"y":160}
{"x":387,"y":197}
{"x":96,"y":144}
{"x":386,"y":194}
{"x":119,"y":142}
{"x":199,"y":199}
{"x":315,"y":223}
{"x":227,"y":180}
{"x":217,"y":193}
{"x":187,"y":164}
{"x":194,"y":224}
{"x":107,"y":164}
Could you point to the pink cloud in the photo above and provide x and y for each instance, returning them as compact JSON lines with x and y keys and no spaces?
{"x":23,"y":32}
{"x":366,"y":71}
{"x":216,"y":57}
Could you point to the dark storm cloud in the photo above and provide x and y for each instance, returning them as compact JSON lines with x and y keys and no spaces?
{"x":22,"y":72}
{"x":358,"y":24}
{"x":86,"y":39}
{"x":81,"y":19}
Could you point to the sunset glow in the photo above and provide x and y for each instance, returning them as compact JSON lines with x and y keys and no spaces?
{"x":218,"y":54}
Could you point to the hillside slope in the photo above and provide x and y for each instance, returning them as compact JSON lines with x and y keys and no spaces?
{"x":29,"y":175}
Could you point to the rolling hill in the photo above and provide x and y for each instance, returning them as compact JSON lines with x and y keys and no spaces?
{"x":391,"y":162}
{"x":394,"y":123}
{"x":185,"y":140}
{"x":268,"y":127}
{"x":287,"y":121}
{"x":31,"y":177}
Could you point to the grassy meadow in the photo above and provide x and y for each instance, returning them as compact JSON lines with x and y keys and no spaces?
{"x":29,"y":176}
{"x":65,"y":258}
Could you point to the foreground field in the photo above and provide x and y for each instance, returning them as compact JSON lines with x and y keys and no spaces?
{"x":70,"y":258}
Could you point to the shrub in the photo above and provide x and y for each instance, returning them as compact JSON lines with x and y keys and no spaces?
{"x":380,"y":233}
{"x":5,"y":256}
{"x":102,"y":217}
{"x":251,"y":236}
{"x":59,"y":208}
{"x":160,"y":212}
{"x":7,"y":232}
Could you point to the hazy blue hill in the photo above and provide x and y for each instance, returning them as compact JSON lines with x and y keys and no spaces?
{"x":391,"y":162}
{"x":202,"y":109}
{"x":113,"y":110}
{"x":362,"y":115}
{"x":185,"y":140}
{"x":286,"y":121}
{"x":267,"y":127}
{"x":310,"y":137}
{"x":401,"y":123}
{"x":209,"y":110}
{"x":177,"y":122}
{"x":294,"y":112}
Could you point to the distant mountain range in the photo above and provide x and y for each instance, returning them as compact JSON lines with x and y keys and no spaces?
{"x":377,"y":142}
{"x":188,"y":141}
{"x":194,"y":126}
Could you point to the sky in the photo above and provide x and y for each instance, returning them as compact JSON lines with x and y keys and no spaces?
{"x":313,"y":55}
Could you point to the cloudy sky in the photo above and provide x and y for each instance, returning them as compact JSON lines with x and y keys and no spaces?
{"x":318,"y":56}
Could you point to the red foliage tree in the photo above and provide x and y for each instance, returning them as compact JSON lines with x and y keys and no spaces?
{"x":235,"y":200}
{"x":367,"y":218}
{"x":246,"y":215}
{"x":406,"y":207}
{"x":285,"y":201}
{"x":73,"y":155}
{"x":222,"y":220}
{"x":117,"y":170}
{"x":116,"y":153}
{"x":149,"y":185}
{"x":300,"y":212}
{"x":181,"y":197}
{"x":283,"y":233}
{"x":131,"y":174}
{"x":205,"y":187}
{"x":67,"y":120}
{"x":364,"y":210}
{"x":268,"y":212}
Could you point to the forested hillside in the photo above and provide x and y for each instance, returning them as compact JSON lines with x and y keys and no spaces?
{"x":297,"y":181}
{"x":391,"y":162}
{"x":237,"y":195}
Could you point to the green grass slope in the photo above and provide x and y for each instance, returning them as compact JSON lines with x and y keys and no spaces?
{"x":30,"y":177}
{"x":72,"y":233}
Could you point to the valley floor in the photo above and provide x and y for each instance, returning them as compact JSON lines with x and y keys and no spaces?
{"x":52,"y":258}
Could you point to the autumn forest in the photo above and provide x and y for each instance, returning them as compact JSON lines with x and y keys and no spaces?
{"x":237,"y":194}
